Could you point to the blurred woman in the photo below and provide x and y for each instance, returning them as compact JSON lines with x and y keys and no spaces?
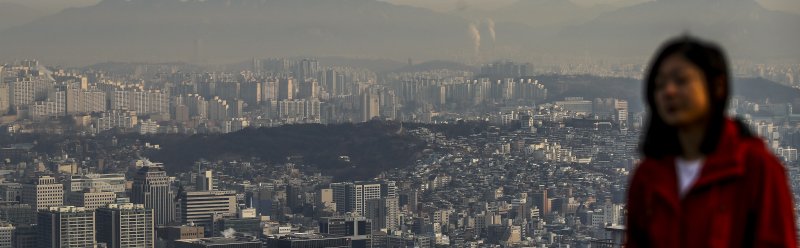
{"x":705,"y":180}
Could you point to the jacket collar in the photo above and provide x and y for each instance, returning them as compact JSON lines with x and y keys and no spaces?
{"x":726,"y":162}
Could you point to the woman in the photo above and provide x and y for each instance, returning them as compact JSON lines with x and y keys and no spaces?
{"x":705,"y":181}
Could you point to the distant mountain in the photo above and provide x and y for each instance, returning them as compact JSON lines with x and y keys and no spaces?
{"x":12,"y":14}
{"x":551,"y":13}
{"x":230,"y":31}
{"x":52,"y":6}
{"x":225,"y":31}
{"x":375,"y":65}
{"x":759,"y":89}
{"x":743,"y":27}
{"x":436,"y":65}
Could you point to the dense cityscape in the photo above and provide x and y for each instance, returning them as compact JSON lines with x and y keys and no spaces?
{"x":398,"y":123}
{"x":272,"y":155}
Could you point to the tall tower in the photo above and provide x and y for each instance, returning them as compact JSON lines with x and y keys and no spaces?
{"x":383,"y":212}
{"x":151,"y":187}
{"x":286,"y":89}
{"x":66,"y":227}
{"x":126,"y":225}
{"x":365,"y":192}
{"x":343,"y":196}
{"x":370,"y":107}
{"x":330,"y":83}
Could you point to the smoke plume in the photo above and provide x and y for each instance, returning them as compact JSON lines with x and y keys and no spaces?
{"x":490,"y":25}
{"x":476,"y":38}
{"x":228,"y":233}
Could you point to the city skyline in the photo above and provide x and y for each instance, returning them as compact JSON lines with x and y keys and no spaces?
{"x":368,"y":123}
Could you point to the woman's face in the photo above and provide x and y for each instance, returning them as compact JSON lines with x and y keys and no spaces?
{"x":681,"y":94}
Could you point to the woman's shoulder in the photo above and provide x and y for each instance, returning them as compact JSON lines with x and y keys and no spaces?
{"x":758,"y":157}
{"x":754,"y":149}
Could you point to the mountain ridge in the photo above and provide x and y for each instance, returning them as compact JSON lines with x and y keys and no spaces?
{"x":227,"y":31}
{"x":230,"y":31}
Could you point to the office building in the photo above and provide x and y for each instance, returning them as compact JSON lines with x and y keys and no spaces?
{"x":306,"y":240}
{"x":43,"y":193}
{"x":126,"y":226}
{"x":576,"y":105}
{"x":324,"y":199}
{"x":294,"y":196}
{"x":356,"y":228}
{"x":17,"y":214}
{"x":99,"y":182}
{"x":91,"y":199}
{"x":6,"y":235}
{"x":346,"y":226}
{"x":249,"y":226}
{"x":352,"y":197}
{"x":343,"y":196}
{"x":205,"y":181}
{"x":66,"y":227}
{"x":169,"y":234}
{"x":384,"y":213}
{"x":25,"y":237}
{"x":364,"y":192}
{"x":201,"y":207}
{"x":152,"y":187}
{"x":11,"y":192}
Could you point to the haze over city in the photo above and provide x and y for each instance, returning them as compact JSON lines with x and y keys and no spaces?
{"x":359,"y":123}
{"x":543,"y":30}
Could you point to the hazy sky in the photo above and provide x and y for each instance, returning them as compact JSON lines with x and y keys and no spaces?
{"x":440,"y":5}
{"x":53,"y":5}
{"x":449,"y":5}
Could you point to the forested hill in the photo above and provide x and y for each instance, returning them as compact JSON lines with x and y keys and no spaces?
{"x":372,"y":147}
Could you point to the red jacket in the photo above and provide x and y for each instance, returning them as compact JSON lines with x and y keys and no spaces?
{"x":740,"y":199}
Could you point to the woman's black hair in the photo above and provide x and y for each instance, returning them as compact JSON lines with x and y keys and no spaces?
{"x":661,"y":139}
